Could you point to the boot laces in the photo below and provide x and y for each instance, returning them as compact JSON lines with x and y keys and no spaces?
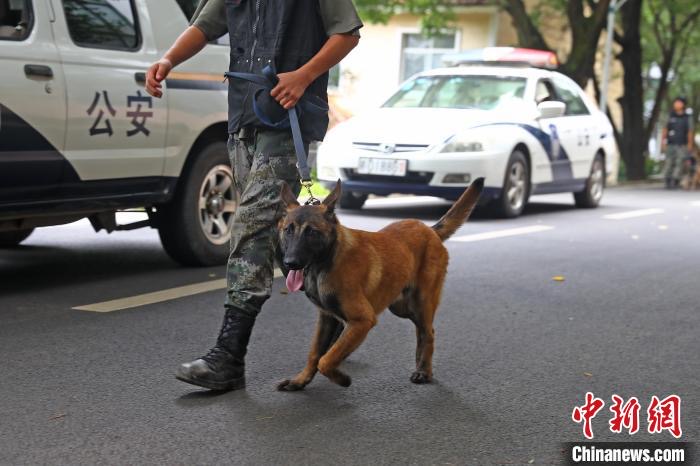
{"x":216,"y":355}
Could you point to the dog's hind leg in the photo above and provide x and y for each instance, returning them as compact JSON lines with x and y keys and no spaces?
{"x":424,"y":304}
{"x":425,"y":344}
{"x":328,"y":330}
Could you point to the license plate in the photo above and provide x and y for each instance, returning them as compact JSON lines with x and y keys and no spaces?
{"x":389,"y":167}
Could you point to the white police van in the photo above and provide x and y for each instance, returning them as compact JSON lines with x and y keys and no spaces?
{"x":526,"y":129}
{"x":79,"y":136}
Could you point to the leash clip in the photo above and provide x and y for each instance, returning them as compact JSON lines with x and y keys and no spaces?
{"x":311,"y":200}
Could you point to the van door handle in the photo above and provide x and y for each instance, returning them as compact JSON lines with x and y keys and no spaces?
{"x":38,"y":71}
{"x":140,"y":78}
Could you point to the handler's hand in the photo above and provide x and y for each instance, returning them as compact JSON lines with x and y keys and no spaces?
{"x":290,"y":88}
{"x":155,"y":75}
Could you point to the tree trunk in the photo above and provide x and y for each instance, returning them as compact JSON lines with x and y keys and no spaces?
{"x":528,"y":34}
{"x":661,"y":93}
{"x":633,"y":145}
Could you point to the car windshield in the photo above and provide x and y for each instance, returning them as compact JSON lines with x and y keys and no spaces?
{"x":480,"y":92}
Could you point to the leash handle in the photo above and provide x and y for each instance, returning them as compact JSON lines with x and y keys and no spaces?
{"x":268,"y":80}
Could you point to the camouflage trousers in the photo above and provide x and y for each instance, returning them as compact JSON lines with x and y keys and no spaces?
{"x":675,"y":158}
{"x":260,"y":164}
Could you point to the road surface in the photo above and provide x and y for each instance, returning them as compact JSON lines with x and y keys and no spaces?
{"x":516,"y":350}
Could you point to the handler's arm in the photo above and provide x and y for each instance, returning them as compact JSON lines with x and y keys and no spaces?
{"x":186,"y":46}
{"x":293,"y":84}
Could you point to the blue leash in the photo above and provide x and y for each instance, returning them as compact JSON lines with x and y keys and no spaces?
{"x":308,"y":103}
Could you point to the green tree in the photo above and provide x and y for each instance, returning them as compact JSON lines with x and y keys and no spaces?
{"x":669,"y":32}
{"x":648,"y":31}
{"x":434,"y":14}
{"x":585,"y":19}
{"x":660,"y":33}
{"x":630,"y":138}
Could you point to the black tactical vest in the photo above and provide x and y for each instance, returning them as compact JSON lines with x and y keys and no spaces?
{"x":283,"y":33}
{"x":678,"y":127}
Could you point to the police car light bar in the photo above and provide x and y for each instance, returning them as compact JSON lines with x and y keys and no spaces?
{"x":503,"y":56}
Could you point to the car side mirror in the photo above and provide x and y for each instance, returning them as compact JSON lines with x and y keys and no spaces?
{"x":551,"y":109}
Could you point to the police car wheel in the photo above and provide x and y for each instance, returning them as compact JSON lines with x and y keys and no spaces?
{"x":352,"y":200}
{"x":10,"y":239}
{"x":591,"y":196}
{"x":516,"y":188}
{"x":195,"y":227}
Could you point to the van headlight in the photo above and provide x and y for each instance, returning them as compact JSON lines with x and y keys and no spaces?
{"x":462,"y":143}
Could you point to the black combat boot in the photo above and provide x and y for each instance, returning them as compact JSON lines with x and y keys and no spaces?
{"x":223,"y":367}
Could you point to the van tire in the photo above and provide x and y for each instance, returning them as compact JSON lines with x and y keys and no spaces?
{"x":181,"y":222}
{"x":13,"y":238}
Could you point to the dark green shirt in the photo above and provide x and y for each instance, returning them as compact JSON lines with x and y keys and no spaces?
{"x":339,"y":17}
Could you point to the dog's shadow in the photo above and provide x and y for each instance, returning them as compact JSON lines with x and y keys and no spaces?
{"x":323,"y":403}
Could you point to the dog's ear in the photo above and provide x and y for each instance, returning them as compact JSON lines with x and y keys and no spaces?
{"x":288,"y":197}
{"x":332,"y":198}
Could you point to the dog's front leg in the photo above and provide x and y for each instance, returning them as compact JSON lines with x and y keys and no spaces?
{"x":327,"y":330}
{"x":362,"y":321}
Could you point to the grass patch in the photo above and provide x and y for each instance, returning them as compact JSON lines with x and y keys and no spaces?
{"x":317,"y":190}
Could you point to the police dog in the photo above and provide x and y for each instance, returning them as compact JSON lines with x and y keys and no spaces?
{"x":353,"y":275}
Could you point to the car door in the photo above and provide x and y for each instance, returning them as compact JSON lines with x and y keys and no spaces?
{"x":561,"y":137}
{"x":32,"y":102}
{"x":115,"y":129}
{"x":580,"y":122}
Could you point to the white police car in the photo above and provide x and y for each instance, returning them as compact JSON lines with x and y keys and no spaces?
{"x":526,"y":130}
{"x":79,"y":137}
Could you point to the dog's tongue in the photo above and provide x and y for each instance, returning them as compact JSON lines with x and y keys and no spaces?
{"x":295,"y":280}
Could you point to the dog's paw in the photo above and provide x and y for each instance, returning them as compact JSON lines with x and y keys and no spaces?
{"x":342,"y":379}
{"x":289,"y":386}
{"x":421,"y":377}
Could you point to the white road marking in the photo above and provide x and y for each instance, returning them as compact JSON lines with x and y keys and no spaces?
{"x":502,"y":233}
{"x":157,"y":296}
{"x":405,"y":200}
{"x":220,"y":284}
{"x":695,"y":203}
{"x":633,"y":214}
{"x":122,"y":218}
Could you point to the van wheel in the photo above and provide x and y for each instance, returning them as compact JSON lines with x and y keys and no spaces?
{"x":352,"y":200}
{"x":516,"y":188}
{"x":195,"y":227}
{"x":10,"y":239}
{"x":595,"y":185}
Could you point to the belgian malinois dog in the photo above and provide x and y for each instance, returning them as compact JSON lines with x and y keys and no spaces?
{"x":353,"y":275}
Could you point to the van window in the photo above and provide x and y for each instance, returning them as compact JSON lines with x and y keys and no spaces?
{"x":15,"y":19}
{"x":103,"y":24}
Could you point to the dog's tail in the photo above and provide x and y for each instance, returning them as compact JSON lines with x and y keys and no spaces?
{"x":460,"y":211}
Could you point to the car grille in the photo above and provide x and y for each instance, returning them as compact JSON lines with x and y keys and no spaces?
{"x":410,"y":178}
{"x":394,"y":148}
